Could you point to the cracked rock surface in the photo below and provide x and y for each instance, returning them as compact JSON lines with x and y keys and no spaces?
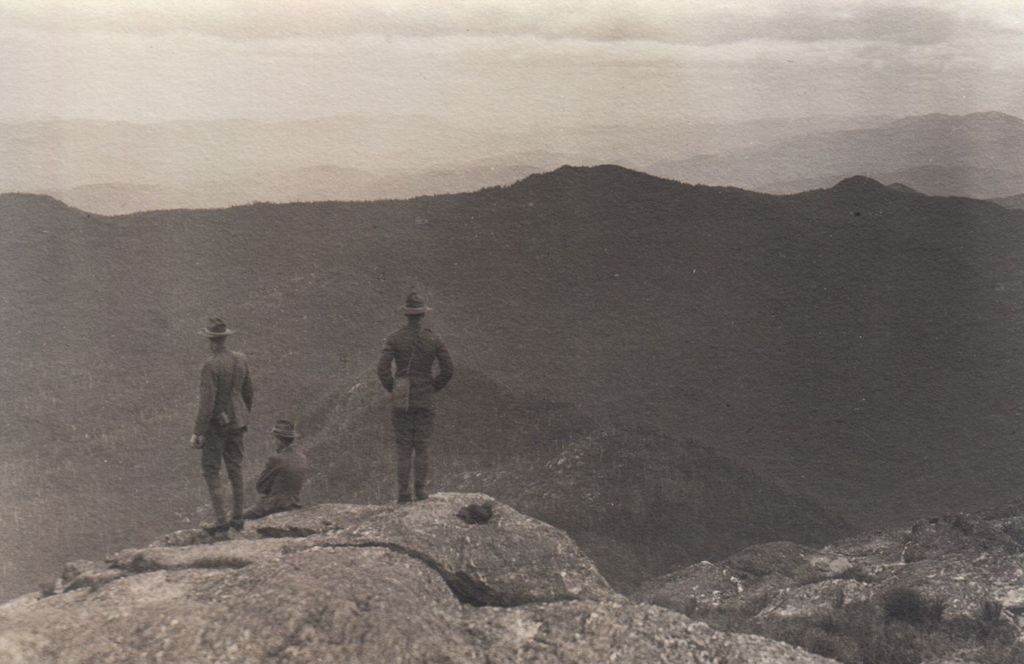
{"x":348,"y":583}
{"x":966,"y":562}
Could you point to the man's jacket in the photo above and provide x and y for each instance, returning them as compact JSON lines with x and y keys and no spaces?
{"x":413,"y":353}
{"x":224,"y":387}
{"x":283,"y":476}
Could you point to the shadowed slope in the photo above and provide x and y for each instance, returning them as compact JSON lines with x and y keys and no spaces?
{"x":638,"y":501}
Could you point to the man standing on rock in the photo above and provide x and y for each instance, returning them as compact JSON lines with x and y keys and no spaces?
{"x":413,"y":350}
{"x":280,"y":483}
{"x":225,"y":399}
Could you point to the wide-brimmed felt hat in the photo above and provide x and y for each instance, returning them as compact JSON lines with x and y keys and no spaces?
{"x":284,"y":429}
{"x":414,"y":305}
{"x":215,"y":327}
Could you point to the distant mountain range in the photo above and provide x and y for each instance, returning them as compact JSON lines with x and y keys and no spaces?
{"x":312,"y":183}
{"x":977,"y":155}
{"x":984,"y":183}
{"x":120,"y":167}
{"x":778,"y":363}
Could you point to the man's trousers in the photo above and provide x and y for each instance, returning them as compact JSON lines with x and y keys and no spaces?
{"x":413,"y":429}
{"x":224,"y":444}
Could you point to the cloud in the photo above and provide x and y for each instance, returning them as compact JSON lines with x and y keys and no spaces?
{"x":666,"y":21}
{"x":629,"y":59}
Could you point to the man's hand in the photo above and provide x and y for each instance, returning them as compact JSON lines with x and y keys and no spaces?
{"x":196,"y":441}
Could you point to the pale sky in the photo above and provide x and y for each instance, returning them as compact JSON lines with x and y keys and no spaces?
{"x":486,"y":61}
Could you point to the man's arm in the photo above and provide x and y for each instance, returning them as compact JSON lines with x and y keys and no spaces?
{"x":247,"y":391}
{"x":207,"y":395}
{"x":444,"y":362}
{"x":387,"y":355}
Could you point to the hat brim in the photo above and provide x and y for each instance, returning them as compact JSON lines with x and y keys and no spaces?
{"x":284,"y":434}
{"x":214,"y":335}
{"x":413,"y":311}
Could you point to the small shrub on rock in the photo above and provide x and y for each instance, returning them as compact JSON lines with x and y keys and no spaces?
{"x":893,"y":644}
{"x":991,"y":612}
{"x":964,"y":523}
{"x":910,"y":606}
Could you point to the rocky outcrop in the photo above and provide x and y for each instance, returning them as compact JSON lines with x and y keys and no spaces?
{"x":959,"y":574}
{"x":814,"y":600}
{"x":504,"y":561}
{"x":370,"y":583}
{"x":746,"y":580}
{"x":962,"y":560}
{"x":959,"y":535}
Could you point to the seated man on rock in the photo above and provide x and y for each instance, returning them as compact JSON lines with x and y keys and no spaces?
{"x":280,"y":483}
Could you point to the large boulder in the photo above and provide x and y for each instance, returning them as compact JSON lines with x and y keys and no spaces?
{"x":381,"y":605}
{"x":508,"y":559}
{"x":336,"y":583}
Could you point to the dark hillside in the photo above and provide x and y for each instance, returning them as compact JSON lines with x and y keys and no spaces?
{"x":637,"y":500}
{"x":855,"y":345}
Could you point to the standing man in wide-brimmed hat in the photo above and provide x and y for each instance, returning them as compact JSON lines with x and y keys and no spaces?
{"x":225,"y":399}
{"x":413,"y":350}
{"x":280,"y":483}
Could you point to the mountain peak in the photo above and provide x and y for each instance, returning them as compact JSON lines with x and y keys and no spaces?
{"x":859,"y":184}
{"x":600,"y":176}
{"x":31,"y":200}
{"x":995,"y":116}
{"x":35,"y":206}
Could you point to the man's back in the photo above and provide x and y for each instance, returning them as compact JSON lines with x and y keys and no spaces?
{"x":284,"y":474}
{"x":414,"y":351}
{"x":224,"y":387}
